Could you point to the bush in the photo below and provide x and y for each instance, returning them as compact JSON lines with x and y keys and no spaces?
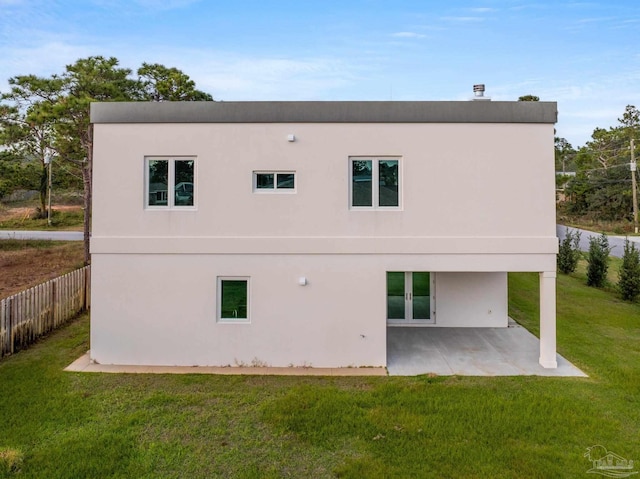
{"x":569,"y":252}
{"x":629,"y":273}
{"x":598,"y":259}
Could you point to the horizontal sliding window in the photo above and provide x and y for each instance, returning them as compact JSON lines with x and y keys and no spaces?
{"x":274,"y":181}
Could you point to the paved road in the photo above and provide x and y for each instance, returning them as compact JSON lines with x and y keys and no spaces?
{"x":43,"y":235}
{"x":615,"y":242}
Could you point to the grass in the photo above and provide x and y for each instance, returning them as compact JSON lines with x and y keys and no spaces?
{"x":10,"y":461}
{"x":598,"y":225}
{"x":152,"y":426}
{"x":59,"y":220}
{"x":21,"y":244}
{"x":611,"y":285}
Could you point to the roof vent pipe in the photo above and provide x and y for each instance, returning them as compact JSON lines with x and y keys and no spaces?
{"x":478,"y":91}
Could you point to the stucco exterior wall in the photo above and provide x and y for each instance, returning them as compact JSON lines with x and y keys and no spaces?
{"x":161,"y":309}
{"x":477,"y":300}
{"x":455,"y":182}
{"x":477,"y":200}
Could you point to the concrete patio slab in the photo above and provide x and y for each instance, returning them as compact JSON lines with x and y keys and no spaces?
{"x":411,"y":351}
{"x":84,"y":364}
{"x":511,"y":351}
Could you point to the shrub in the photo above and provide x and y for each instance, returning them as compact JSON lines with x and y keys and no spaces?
{"x":598,"y":261}
{"x":629,"y":273}
{"x":569,"y":252}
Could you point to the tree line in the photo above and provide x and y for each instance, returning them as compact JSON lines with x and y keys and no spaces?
{"x":44,"y":119}
{"x":600,"y":186}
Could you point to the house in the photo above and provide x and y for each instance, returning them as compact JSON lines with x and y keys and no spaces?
{"x":312,"y":227}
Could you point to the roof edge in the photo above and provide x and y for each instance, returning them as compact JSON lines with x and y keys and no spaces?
{"x":325,"y":112}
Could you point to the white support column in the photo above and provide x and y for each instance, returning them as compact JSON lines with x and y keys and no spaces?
{"x":548,"y":320}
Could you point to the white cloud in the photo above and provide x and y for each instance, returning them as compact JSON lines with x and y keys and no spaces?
{"x":269,"y":78}
{"x":226,"y":75}
{"x":463,"y":19}
{"x":482,"y":10}
{"x":165,"y":4}
{"x":236,"y":76}
{"x":44,"y":60}
{"x":408,"y":35}
{"x":156,"y":5}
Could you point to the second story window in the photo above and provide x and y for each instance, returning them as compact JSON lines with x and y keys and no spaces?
{"x":375,"y":182}
{"x":170,"y":182}
{"x":274,"y":181}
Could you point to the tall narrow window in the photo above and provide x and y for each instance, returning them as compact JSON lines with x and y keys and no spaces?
{"x":375,"y":182}
{"x":158,"y":182}
{"x":233,"y":299}
{"x":388,"y":194}
{"x":170,"y":182}
{"x":361,"y":181}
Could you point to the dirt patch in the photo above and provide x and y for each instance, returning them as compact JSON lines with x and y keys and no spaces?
{"x":15,"y":213}
{"x":26,"y":212}
{"x":24,"y":268}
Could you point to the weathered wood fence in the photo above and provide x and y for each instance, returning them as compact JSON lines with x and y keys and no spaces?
{"x":26,"y":316}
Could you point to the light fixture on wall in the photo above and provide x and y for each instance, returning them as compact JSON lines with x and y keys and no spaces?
{"x":291,"y":137}
{"x":302,"y":281}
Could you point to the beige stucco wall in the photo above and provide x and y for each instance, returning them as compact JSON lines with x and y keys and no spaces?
{"x":470,"y":211}
{"x":477,"y":300}
{"x":456,"y":182}
{"x":161,"y":309}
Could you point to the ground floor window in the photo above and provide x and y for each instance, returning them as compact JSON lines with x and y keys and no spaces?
{"x":410,"y":297}
{"x":233,"y":298}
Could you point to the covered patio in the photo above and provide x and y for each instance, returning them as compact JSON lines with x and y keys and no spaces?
{"x":511,"y":351}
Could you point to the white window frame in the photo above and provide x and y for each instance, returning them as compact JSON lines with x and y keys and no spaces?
{"x":219,"y":317}
{"x":375,"y":182}
{"x":170,"y":183}
{"x":275,"y":189}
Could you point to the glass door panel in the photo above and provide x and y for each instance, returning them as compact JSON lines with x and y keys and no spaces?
{"x":421,"y":296}
{"x":395,"y":295}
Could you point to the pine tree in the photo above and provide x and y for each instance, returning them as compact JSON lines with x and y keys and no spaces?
{"x":598,"y":261}
{"x":629,"y":273}
{"x":568,"y":252}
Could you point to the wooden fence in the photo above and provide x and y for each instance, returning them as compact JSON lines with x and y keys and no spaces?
{"x":26,"y":316}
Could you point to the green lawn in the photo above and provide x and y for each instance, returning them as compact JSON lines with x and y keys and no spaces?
{"x":74,"y":425}
{"x":13,"y":244}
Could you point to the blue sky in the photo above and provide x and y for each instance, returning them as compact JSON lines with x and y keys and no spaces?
{"x":583,"y":54}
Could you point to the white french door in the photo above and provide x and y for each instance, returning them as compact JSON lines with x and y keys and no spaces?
{"x":410,"y":298}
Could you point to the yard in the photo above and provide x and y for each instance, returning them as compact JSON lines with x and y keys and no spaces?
{"x":74,"y":425}
{"x":21,"y":217}
{"x":26,"y":263}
